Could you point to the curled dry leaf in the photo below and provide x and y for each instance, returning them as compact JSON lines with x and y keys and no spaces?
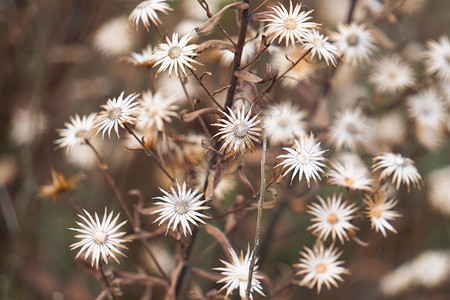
{"x":192,"y":116}
{"x":270,"y":74}
{"x":215,"y":19}
{"x":215,"y":44}
{"x":220,"y":237}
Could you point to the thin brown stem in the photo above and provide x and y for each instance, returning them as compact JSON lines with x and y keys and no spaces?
{"x":206,"y":89}
{"x":119,"y":197}
{"x":149,"y":152}
{"x":238,"y":54}
{"x":106,"y":280}
{"x":258,"y":218}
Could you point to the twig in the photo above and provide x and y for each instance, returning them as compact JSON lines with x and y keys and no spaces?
{"x":105,"y":279}
{"x":149,"y":152}
{"x":351,"y":11}
{"x":258,"y":218}
{"x":238,"y":55}
{"x":206,"y":89}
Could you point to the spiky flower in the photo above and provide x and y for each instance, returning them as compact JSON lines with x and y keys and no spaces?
{"x":355,"y":42}
{"x":318,"y":44}
{"x":350,"y":175}
{"x":238,"y":131}
{"x":306,"y":159}
{"x":391,"y":75}
{"x":156,"y":109}
{"x":147,"y":11}
{"x":142,"y":59}
{"x":332,"y":218}
{"x":236,"y":274}
{"x":290,"y":25}
{"x":180,"y":207}
{"x":283,"y":123}
{"x":427,"y":109}
{"x":176,"y":55}
{"x":99,"y":239}
{"x":379,"y":211}
{"x":76,"y":132}
{"x":349,"y":129}
{"x":437,"y":57}
{"x":320,"y":266}
{"x":402,"y":168}
{"x":59,"y":185}
{"x":117,"y":112}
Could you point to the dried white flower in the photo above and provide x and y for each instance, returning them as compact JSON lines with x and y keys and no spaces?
{"x":320,"y":266}
{"x":427,"y":109}
{"x":437,"y":58}
{"x":144,"y":58}
{"x":290,"y":25}
{"x":355,"y":42}
{"x":402,"y":168}
{"x":180,"y":207}
{"x":117,"y":112}
{"x":332,"y":218}
{"x":99,"y":239}
{"x":391,"y":75}
{"x":350,"y":175}
{"x":147,"y":11}
{"x":107,"y":36}
{"x":176,"y":55}
{"x":318,"y":44}
{"x":306,"y":159}
{"x":283,"y":123}
{"x":379,"y":211}
{"x":76,"y":131}
{"x":238,"y":131}
{"x":236,"y":274}
{"x":156,"y":109}
{"x":439,"y":190}
{"x":349,"y":129}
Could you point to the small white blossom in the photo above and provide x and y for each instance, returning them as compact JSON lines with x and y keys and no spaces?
{"x":350,"y":175}
{"x":391,"y":75}
{"x":156,"y":109}
{"x":147,"y":11}
{"x":76,"y":131}
{"x":379,"y":210}
{"x":437,"y":58}
{"x":402,"y":168}
{"x":349,"y":129}
{"x":318,"y":44}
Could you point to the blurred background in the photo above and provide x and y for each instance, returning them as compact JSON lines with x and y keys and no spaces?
{"x":60,"y":58}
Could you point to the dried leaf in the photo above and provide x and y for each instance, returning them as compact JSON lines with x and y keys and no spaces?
{"x":220,"y":237}
{"x":215,"y":44}
{"x":189,"y":117}
{"x":215,"y":19}
{"x":270,"y":74}
{"x":244,"y":179}
{"x":128,"y":278}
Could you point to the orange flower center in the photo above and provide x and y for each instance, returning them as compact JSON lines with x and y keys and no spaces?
{"x":349,"y":181}
{"x":321,"y":268}
{"x":81,"y":133}
{"x":332,"y":218}
{"x":376,"y":212}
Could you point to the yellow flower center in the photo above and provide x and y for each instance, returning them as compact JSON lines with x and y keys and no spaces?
{"x":99,"y":237}
{"x":114,"y":113}
{"x":290,"y":24}
{"x":321,"y":268}
{"x":352,"y":39}
{"x":174,"y":52}
{"x":377,"y":212}
{"x":181,"y":207}
{"x":332,"y":218}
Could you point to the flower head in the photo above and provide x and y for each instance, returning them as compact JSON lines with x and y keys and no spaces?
{"x":117,"y":112}
{"x":349,"y":129}
{"x":305,"y":158}
{"x":320,"y":266}
{"x":437,"y":58}
{"x":290,"y":25}
{"x":59,"y":185}
{"x":176,"y":55}
{"x":402,"y":168}
{"x":427,"y":109}
{"x":391,"y":75}
{"x":238,"y":131}
{"x":147,"y":11}
{"x":236,"y":274}
{"x":283,"y":123}
{"x":379,"y":210}
{"x":77,"y":131}
{"x":99,"y":239}
{"x":332,"y":217}
{"x":156,"y":109}
{"x":180,"y":207}
{"x":143,"y":59}
{"x":355,"y":42}
{"x":318,"y":44}
{"x":350,"y":175}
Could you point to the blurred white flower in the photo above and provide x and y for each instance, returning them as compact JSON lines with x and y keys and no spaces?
{"x":427,"y":109}
{"x":350,"y":129}
{"x":332,"y":217}
{"x":144,"y":58}
{"x":391,"y":75}
{"x":76,"y":131}
{"x":114,"y":38}
{"x":155,"y":109}
{"x":318,"y":44}
{"x":439,"y":190}
{"x":26,"y":126}
{"x":147,"y":11}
